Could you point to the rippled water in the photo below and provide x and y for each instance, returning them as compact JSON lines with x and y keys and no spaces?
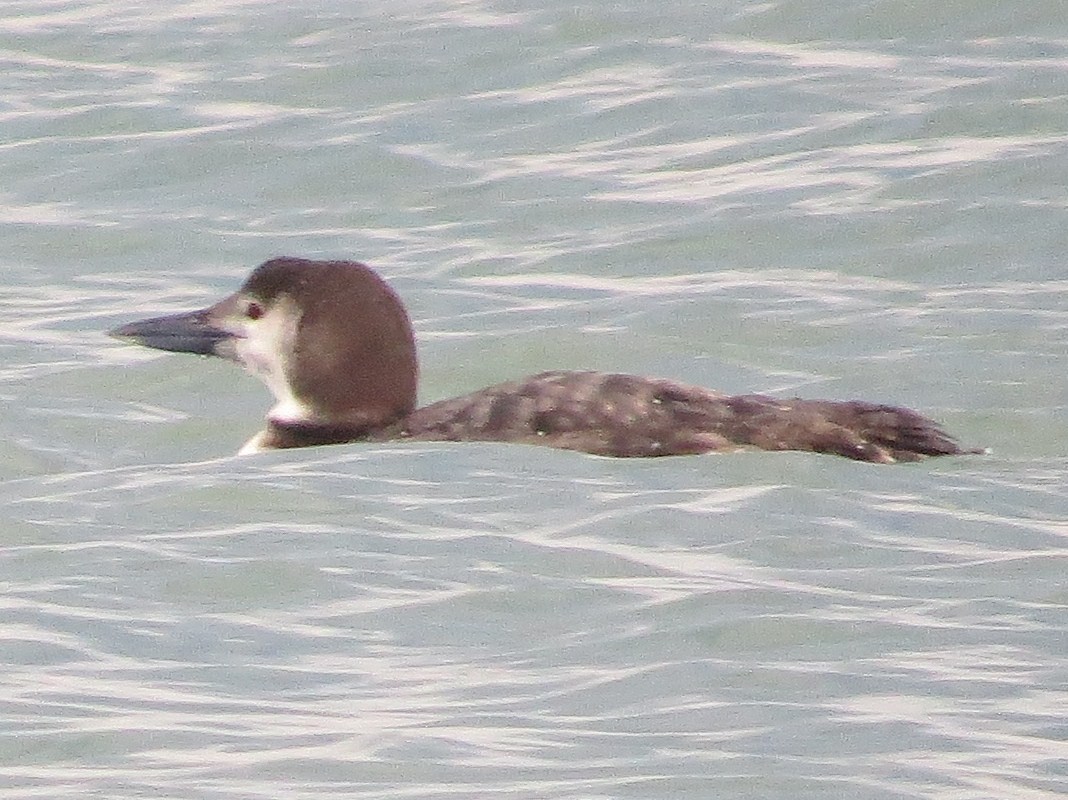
{"x":840,"y":200}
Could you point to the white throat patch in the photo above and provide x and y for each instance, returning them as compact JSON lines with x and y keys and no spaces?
{"x":264,"y":347}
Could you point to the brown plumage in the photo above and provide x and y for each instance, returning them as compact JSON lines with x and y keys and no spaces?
{"x":334,"y":343}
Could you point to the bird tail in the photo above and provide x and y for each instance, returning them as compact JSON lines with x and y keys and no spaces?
{"x":854,"y":429}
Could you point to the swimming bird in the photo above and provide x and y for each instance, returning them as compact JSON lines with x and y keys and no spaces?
{"x":334,"y":344}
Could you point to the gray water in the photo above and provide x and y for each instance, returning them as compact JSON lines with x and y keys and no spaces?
{"x":822,"y":199}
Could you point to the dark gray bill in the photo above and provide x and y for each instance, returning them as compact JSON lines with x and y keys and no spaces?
{"x":180,"y":333}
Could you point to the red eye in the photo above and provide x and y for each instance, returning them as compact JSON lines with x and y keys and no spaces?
{"x":254,"y":311}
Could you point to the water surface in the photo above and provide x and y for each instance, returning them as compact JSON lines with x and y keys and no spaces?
{"x":796,"y":198}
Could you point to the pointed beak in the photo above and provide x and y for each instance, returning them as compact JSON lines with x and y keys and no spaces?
{"x":192,"y":332}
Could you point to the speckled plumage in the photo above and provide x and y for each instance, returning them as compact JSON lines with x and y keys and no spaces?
{"x":350,"y":375}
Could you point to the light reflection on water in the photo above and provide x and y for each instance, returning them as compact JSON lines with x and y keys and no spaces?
{"x":671,"y":194}
{"x":402,"y":621}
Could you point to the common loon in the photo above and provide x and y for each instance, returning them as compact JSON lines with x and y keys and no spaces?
{"x":334,"y":344}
